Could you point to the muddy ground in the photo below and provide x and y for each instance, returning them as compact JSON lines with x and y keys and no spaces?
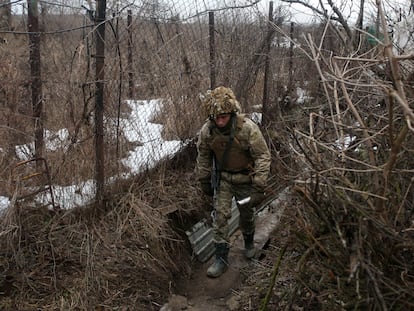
{"x":235,"y":289}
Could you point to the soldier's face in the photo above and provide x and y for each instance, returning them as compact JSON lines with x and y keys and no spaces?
{"x":222,"y":119}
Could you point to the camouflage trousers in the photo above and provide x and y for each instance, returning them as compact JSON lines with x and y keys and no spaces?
{"x":223,"y":204}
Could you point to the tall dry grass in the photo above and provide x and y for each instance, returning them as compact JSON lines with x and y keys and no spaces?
{"x":126,"y":257}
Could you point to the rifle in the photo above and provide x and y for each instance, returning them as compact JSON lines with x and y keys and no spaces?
{"x":215,"y":183}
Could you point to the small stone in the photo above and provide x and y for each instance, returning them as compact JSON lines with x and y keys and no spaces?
{"x":175,"y":303}
{"x":233,"y":303}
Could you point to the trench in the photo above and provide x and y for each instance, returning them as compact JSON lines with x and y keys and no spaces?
{"x":194,"y":291}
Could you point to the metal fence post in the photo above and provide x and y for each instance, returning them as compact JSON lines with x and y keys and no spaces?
{"x":35,"y":71}
{"x":99,"y":102}
{"x":212,"y":50}
{"x":130,"y":71}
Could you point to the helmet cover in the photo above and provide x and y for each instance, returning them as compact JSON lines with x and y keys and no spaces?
{"x":221,"y":100}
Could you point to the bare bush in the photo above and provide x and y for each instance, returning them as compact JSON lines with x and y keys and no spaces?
{"x":355,"y":225}
{"x":347,"y":145}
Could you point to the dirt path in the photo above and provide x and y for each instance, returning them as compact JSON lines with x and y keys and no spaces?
{"x":201,"y":293}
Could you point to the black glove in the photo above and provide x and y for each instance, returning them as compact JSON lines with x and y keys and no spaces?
{"x":256,"y":196}
{"x":205,"y":186}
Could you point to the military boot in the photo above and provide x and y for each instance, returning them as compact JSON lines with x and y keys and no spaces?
{"x":249,"y":249}
{"x":219,"y":265}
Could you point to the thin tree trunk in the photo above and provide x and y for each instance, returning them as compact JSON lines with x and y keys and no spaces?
{"x":35,"y":71}
{"x":265,"y":102}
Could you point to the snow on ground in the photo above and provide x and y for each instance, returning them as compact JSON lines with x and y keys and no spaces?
{"x":4,"y":202}
{"x":302,"y":96}
{"x":345,"y":142}
{"x":136,"y":128}
{"x":154,"y":148}
{"x":53,"y":141}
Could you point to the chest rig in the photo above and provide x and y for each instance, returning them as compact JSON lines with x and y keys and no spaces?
{"x":230,"y":150}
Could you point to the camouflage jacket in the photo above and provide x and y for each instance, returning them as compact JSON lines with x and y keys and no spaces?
{"x":248,"y":156}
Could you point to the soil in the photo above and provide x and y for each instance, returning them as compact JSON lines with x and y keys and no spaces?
{"x":197,"y":292}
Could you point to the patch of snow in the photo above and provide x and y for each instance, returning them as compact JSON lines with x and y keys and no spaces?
{"x":25,"y":152}
{"x":56,"y":140}
{"x":136,"y":128}
{"x":70,"y":196}
{"x":256,"y":117}
{"x":139,"y":128}
{"x":53,"y":141}
{"x":344,"y":143}
{"x":4,"y":202}
{"x":302,"y":96}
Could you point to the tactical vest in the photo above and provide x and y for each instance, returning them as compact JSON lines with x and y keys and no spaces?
{"x":238,"y":156}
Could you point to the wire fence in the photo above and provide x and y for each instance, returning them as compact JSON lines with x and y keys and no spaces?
{"x":155,"y":59}
{"x":127,"y":98}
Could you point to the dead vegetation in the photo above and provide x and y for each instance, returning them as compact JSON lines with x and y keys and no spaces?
{"x":347,"y":151}
{"x":350,"y":243}
{"x":126,"y":258}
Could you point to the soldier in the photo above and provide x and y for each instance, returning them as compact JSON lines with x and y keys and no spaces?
{"x":235,"y":146}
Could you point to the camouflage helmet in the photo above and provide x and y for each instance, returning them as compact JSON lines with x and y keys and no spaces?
{"x":221,"y":100}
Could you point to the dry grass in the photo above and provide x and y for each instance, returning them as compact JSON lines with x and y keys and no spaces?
{"x":349,"y":243}
{"x":126,"y":258}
